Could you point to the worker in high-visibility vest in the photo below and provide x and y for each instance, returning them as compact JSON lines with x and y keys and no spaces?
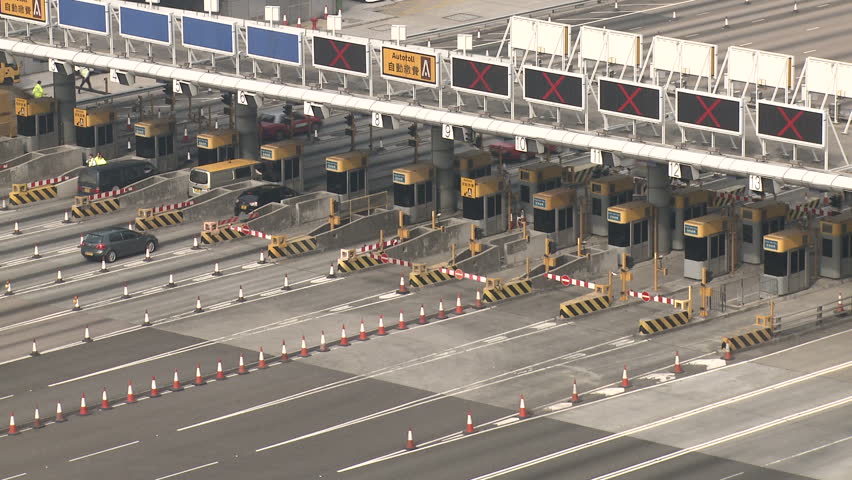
{"x":91,"y":162}
{"x":86,"y":76}
{"x":38,"y":90}
{"x":100,"y":160}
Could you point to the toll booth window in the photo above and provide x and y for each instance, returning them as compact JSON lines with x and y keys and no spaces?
{"x":847,"y":246}
{"x":165,"y":145}
{"x":145,"y":147}
{"x":717,"y":246}
{"x":596,"y":207}
{"x":424,"y":193}
{"x":206,"y":157}
{"x":772,"y":226}
{"x":525,"y":193}
{"x":695,"y":248}
{"x":827,"y":247}
{"x":640,"y":232}
{"x":548,"y":185}
{"x":472,"y":208}
{"x":495,"y":205}
{"x":228,"y":152}
{"x":45,"y":123}
{"x":291,"y":169}
{"x":619,"y":234}
{"x":85,"y":136}
{"x":596,"y":188}
{"x":403,"y":195}
{"x":672,"y":220}
{"x":26,"y":126}
{"x":105,"y":135}
{"x":242,"y":172}
{"x":775,"y":264}
{"x":566,"y":218}
{"x":544,"y":220}
{"x":357,"y":180}
{"x":797,"y":260}
{"x":336,"y":182}
{"x":748,"y":234}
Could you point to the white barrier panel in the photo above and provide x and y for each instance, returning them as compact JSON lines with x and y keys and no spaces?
{"x":684,"y":56}
{"x":540,"y":36}
{"x":762,"y":68}
{"x":828,"y":76}
{"x":612,"y":46}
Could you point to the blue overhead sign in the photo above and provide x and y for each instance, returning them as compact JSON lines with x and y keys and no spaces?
{"x":85,"y":16}
{"x":274,"y":44}
{"x":145,"y":25}
{"x":217,"y":37}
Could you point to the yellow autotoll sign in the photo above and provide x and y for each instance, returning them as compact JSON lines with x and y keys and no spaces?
{"x":409,"y":66}
{"x":79,"y":117}
{"x":33,"y":10}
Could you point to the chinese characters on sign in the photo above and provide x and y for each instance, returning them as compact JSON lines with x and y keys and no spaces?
{"x":34,"y":10}
{"x":409,"y":66}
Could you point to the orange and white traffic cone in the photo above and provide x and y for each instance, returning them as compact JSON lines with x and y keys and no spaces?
{"x":625,"y":382}
{"x":401,"y":324}
{"x":381,"y":326}
{"x":131,"y":398}
{"x":286,"y":283}
{"x":104,"y":400}
{"x":728,"y":355}
{"x":242,"y":369}
{"x":575,"y":397}
{"x":403,"y":288}
{"x":60,"y":417}
{"x":75,"y":304}
{"x":86,"y":337}
{"x":677,"y":367}
{"x":155,"y":392}
{"x":362,"y":333}
{"x":34,"y":352}
{"x":459,"y":308}
{"x":330,"y":271}
{"x":468,"y":427}
{"x":220,"y":372}
{"x":839,"y":310}
{"x":323,"y":347}
{"x":199,"y":380}
{"x":522,"y":411}
{"x":409,"y":442}
{"x":261,"y":361}
{"x":304,"y":351}
{"x":441,"y":314}
{"x":344,"y":340}
{"x":422,"y":319}
{"x":240,"y":297}
{"x":37,"y":419}
{"x":198,"y":308}
{"x":284,"y":356}
{"x":478,"y":305}
{"x":176,"y":386}
{"x":13,"y":429}
{"x":84,"y":410}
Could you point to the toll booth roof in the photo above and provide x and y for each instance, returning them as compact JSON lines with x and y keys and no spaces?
{"x":155,"y":122}
{"x":842,"y":219}
{"x":411,"y":174}
{"x":280,"y":150}
{"x":612,"y":184}
{"x":545,"y":169}
{"x":786,"y":239}
{"x":555,"y":198}
{"x":223,"y":133}
{"x":692,"y":195}
{"x":343,"y":162}
{"x":836,"y":225}
{"x":93,"y":116}
{"x":769,"y":208}
{"x":629,"y":212}
{"x":154,"y":127}
{"x":228,"y":164}
{"x":708,"y":225}
{"x":479,"y":187}
{"x":476,"y":156}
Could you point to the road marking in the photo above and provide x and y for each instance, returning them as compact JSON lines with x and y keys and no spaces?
{"x":103,"y":451}
{"x":14,"y":476}
{"x":746,"y":44}
{"x":692,"y":35}
{"x":659,"y":377}
{"x":811,"y":29}
{"x":809,"y":51}
{"x":808,"y":451}
{"x":702,"y":13}
{"x":658,"y":7}
{"x":507,"y":421}
{"x":342,"y":307}
{"x":709,"y":363}
{"x":187,"y":470}
{"x":732,"y":476}
{"x":758,"y":20}
{"x":541,"y":325}
{"x":7,"y":396}
{"x":498,"y":338}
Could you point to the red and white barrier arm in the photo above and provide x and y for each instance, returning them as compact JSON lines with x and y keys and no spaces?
{"x":378,"y":246}
{"x":227,"y":221}
{"x":385,"y":259}
{"x":49,"y":181}
{"x":648,"y":298}
{"x":247,"y":231}
{"x":114,"y":193}
{"x":457,"y":273}
{"x":174,"y":206}
{"x":568,"y":281}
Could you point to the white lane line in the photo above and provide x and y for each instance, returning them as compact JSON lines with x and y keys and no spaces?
{"x":700,"y":14}
{"x":104,"y":451}
{"x":727,"y":438}
{"x":823,"y":5}
{"x":692,"y":35}
{"x":809,"y":51}
{"x":758,"y":20}
{"x":498,"y":338}
{"x":746,"y":44}
{"x":14,"y":476}
{"x":808,"y":451}
{"x":507,"y":421}
{"x":732,"y":476}
{"x":811,"y":29}
{"x":658,"y":7}
{"x":342,"y":307}
{"x":7,"y":396}
{"x":171,"y":475}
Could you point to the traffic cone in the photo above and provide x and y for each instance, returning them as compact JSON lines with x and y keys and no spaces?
{"x":171,"y":283}
{"x":146,"y":321}
{"x":330,"y":271}
{"x":403,"y":288}
{"x":325,"y":11}
{"x":468,"y":427}
{"x":422,"y":320}
{"x":131,"y":397}
{"x":401,"y":324}
{"x":176,"y":386}
{"x":284,"y":20}
{"x":459,"y":308}
{"x":409,"y":443}
{"x":344,"y":340}
{"x":195,"y":243}
{"x":155,"y":392}
{"x":284,"y":356}
{"x":362,"y":333}
{"x":199,"y":380}
{"x":75,"y":304}
{"x":67,"y":218}
{"x":242,"y":370}
{"x":34,"y":352}
{"x":185,"y":135}
{"x":839,"y":310}
{"x":575,"y":397}
{"x":60,"y":417}
{"x":125,"y":293}
{"x":16,"y":230}
{"x":727,"y":25}
{"x":59,"y":277}
{"x":220,"y":374}
{"x":240,"y":297}
{"x":86,"y":337}
{"x":304,"y":351}
{"x":323,"y":347}
{"x":216,"y":272}
{"x":299,"y":22}
{"x":677,"y":367}
{"x":147,"y":255}
{"x":795,"y":7}
{"x":37,"y":419}
{"x":381,"y":326}
{"x":286,"y":283}
{"x":84,"y":410}
{"x":104,"y":268}
{"x":35,"y":251}
{"x":262,"y":259}
{"x":522,"y":411}
{"x":80,"y":245}
{"x":8,"y":288}
{"x":104,"y":400}
{"x":129,"y":126}
{"x":198,"y":308}
{"x":625,"y":382}
{"x":728,"y":355}
{"x":13,"y":429}
{"x":441,"y":314}
{"x":261,"y":361}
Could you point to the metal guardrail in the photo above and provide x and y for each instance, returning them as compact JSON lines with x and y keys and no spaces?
{"x":347,"y":208}
{"x":813,"y":317}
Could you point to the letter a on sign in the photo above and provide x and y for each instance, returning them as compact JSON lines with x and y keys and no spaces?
{"x":37,"y":9}
{"x":425,"y":70}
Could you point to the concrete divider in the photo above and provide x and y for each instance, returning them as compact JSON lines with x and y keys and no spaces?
{"x":426,"y":242}
{"x":359,"y":230}
{"x":217,"y":203}
{"x":46,"y":163}
{"x":485,"y":262}
{"x":309,"y":207}
{"x":158,"y":190}
{"x":11,"y":147}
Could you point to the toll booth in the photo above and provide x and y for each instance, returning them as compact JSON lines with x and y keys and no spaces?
{"x":281,"y":162}
{"x":687,"y":203}
{"x":707,"y":244}
{"x":759,"y":219}
{"x":555,"y":215}
{"x":217,"y":146}
{"x":630,"y":229}
{"x":155,"y":141}
{"x":346,"y":174}
{"x":536,"y":178}
{"x":836,"y":235}
{"x":787,"y":263}
{"x":414,"y":191}
{"x":606,"y":192}
{"x":37,"y":121}
{"x":471,"y":164}
{"x":483,"y":202}
{"x":94,"y":129}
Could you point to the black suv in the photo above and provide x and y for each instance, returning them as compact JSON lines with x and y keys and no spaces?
{"x":257,"y":197}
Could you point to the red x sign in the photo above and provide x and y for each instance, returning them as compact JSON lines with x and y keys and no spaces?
{"x":630,"y":97}
{"x":791,"y":123}
{"x":553,"y":87}
{"x":339,"y":54}
{"x":480,"y":76}
{"x":708,"y":111}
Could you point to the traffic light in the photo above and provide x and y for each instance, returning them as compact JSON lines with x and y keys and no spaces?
{"x":227,"y":98}
{"x":477,"y":141}
{"x":350,"y":124}
{"x":288,"y":110}
{"x":412,"y":132}
{"x":169,"y":94}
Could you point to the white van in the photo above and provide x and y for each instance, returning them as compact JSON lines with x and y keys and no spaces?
{"x":219,"y":174}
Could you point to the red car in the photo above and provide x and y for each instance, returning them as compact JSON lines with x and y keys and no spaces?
{"x":507,"y":148}
{"x":277,"y":126}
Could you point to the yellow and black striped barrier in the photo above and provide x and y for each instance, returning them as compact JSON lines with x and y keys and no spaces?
{"x":801,"y":211}
{"x":429,"y":277}
{"x":290,"y":248}
{"x":657,"y":325}
{"x":209,"y":237}
{"x":748,"y":339}
{"x":507,"y":290}
{"x":359,"y":262}
{"x":95,"y":208}
{"x":21,"y":195}
{"x":158,"y":221}
{"x":588,"y":303}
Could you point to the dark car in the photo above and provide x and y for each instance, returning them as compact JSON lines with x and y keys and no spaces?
{"x":507,"y":147}
{"x":254,"y":198}
{"x":111,"y":243}
{"x":113,"y":176}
